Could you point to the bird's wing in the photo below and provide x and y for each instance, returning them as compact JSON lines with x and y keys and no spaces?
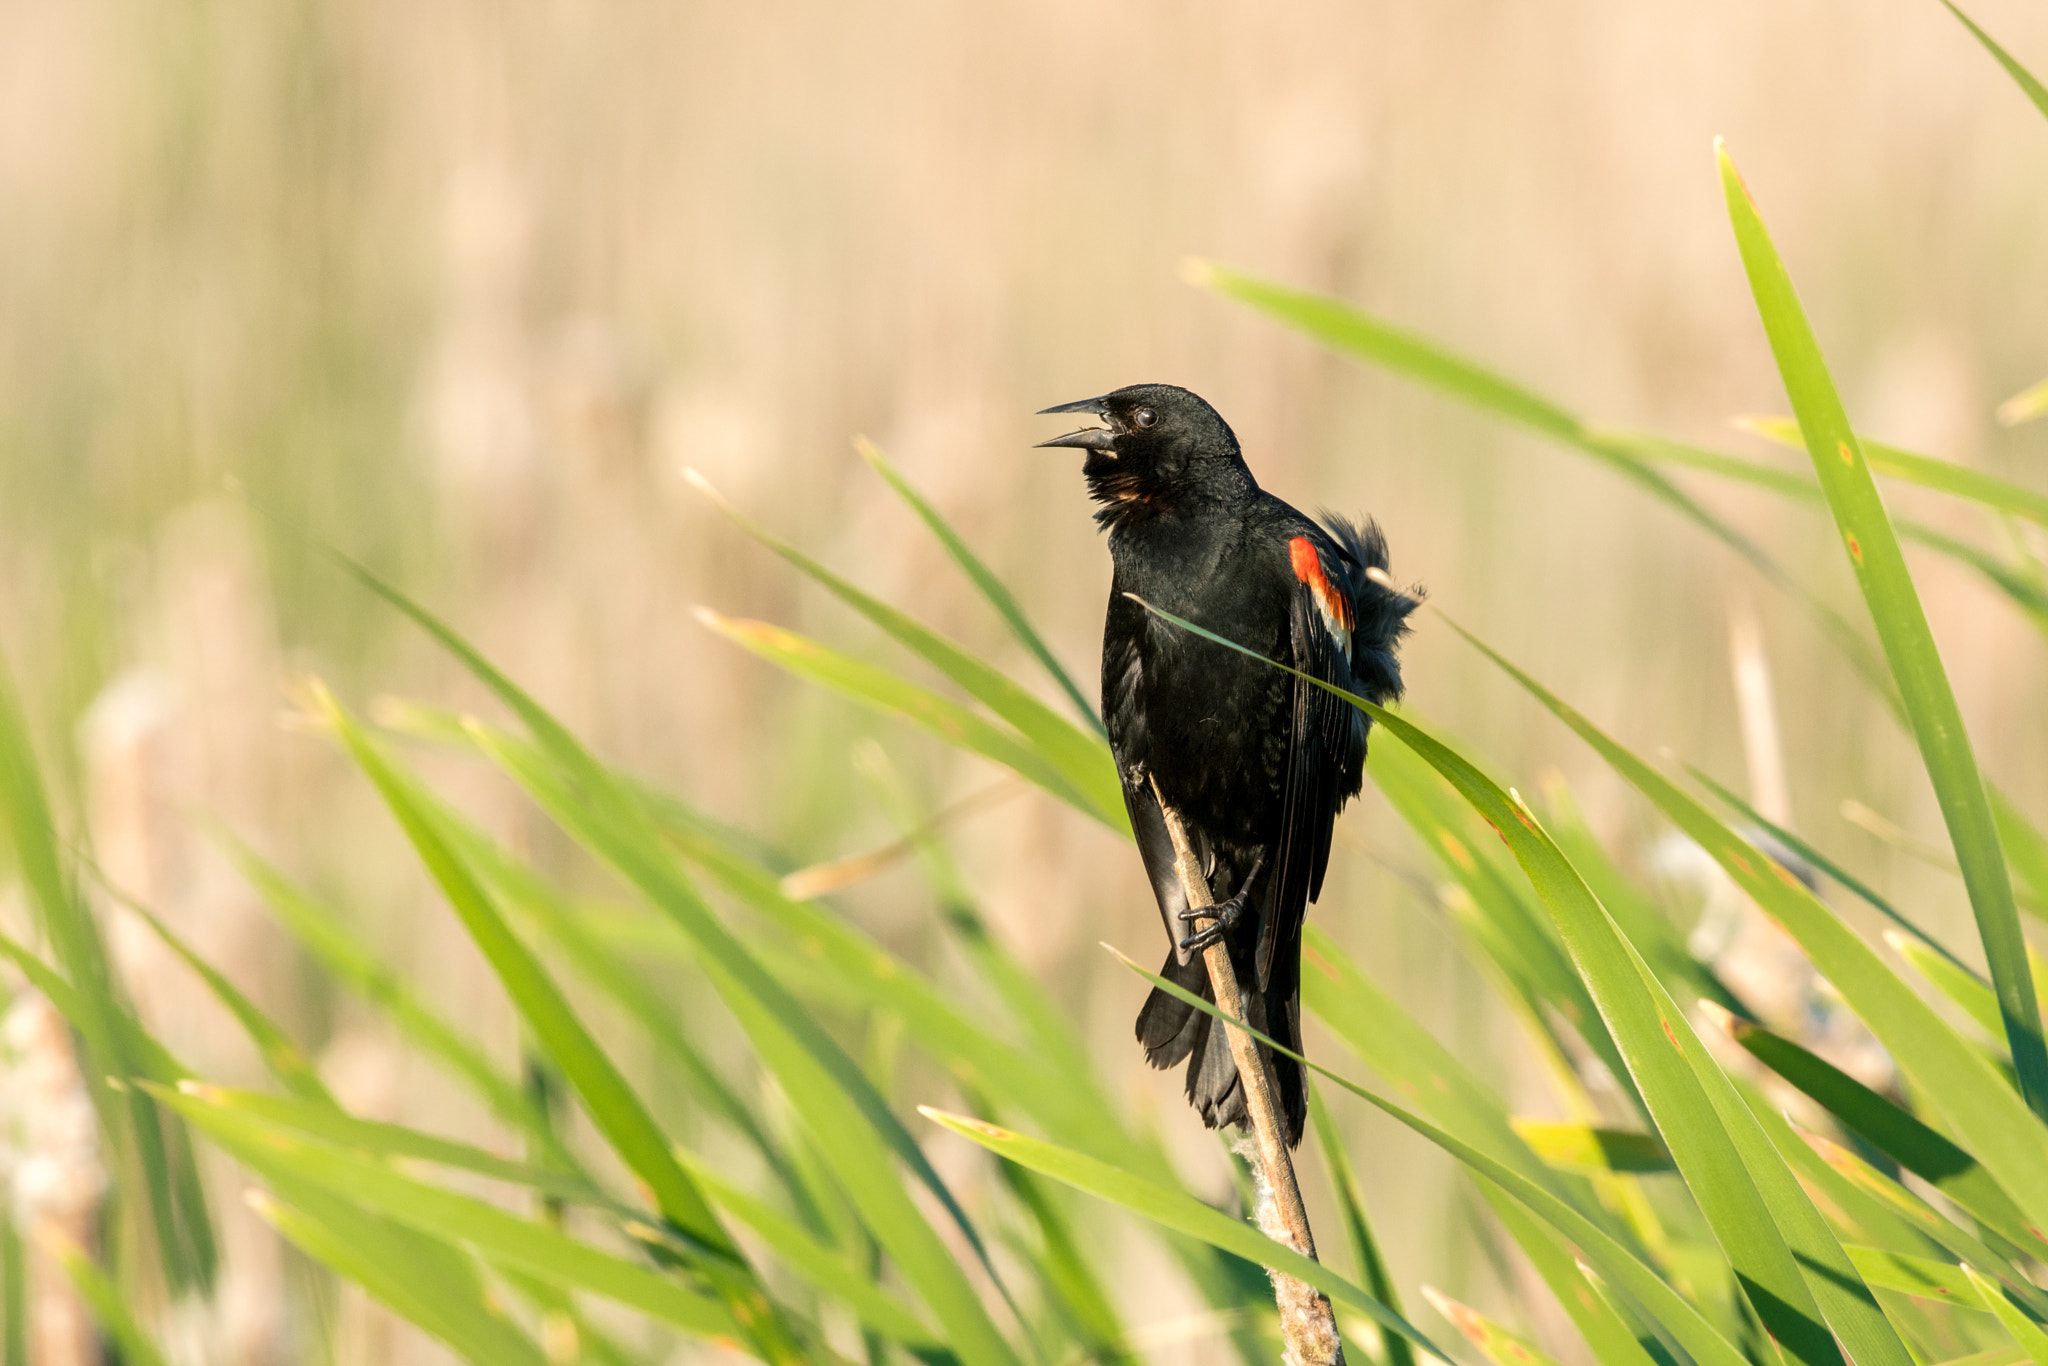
{"x":1326,"y":749}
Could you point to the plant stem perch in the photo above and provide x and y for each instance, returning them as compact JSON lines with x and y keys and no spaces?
{"x":1307,"y":1324}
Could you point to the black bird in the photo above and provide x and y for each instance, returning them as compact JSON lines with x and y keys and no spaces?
{"x":1256,"y":762}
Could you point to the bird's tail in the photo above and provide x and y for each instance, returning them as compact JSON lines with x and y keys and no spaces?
{"x":1171,"y":1029}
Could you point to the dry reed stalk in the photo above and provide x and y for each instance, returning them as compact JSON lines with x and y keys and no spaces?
{"x":57,"y":1175}
{"x":1307,"y":1324}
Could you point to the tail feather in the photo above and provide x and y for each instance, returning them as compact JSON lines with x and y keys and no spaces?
{"x":1172,"y":1030}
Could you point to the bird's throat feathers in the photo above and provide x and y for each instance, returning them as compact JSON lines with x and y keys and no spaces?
{"x":1134,"y":490}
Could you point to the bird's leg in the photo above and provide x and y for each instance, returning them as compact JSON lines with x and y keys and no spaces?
{"x":1226,"y":913}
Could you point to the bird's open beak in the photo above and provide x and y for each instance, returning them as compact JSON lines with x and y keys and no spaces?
{"x":1089,"y":438}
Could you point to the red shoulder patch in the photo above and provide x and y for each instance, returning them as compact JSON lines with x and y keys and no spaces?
{"x":1308,"y":567}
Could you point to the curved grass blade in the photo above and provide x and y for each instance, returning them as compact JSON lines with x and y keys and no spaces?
{"x":1880,"y":568}
{"x":1957,"y":1079}
{"x":2020,"y":75}
{"x":984,"y":579}
{"x":2026,"y":405}
{"x":1078,"y":754}
{"x":1176,"y":1210}
{"x":1365,"y":1249}
{"x":1695,"y":1335}
{"x":182,"y":1230}
{"x":108,"y":1304}
{"x":296,"y":1159}
{"x":285,"y":1059}
{"x":1783,"y":1253}
{"x":1971,"y":993}
{"x":855,"y":1130}
{"x":1910,"y":467}
{"x":345,"y":959}
{"x":1583,"y":1147}
{"x":1600,"y":1323}
{"x":1494,"y":1342}
{"x":610,"y":1100}
{"x":420,"y":1278}
{"x":2023,"y":1329}
{"x":885,"y":692}
{"x":1730,"y":798}
{"x":1892,"y":1131}
{"x":1921,"y":1277}
{"x":2026,"y":848}
{"x":1344,"y":328}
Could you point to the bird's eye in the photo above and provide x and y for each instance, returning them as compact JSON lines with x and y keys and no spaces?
{"x":1144,"y":417}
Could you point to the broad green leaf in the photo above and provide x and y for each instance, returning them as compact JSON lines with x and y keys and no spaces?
{"x":296,"y":1159}
{"x":1494,"y":1342}
{"x":1944,"y":476}
{"x":1968,"y":1091}
{"x":992,"y":588}
{"x":1682,"y":1320}
{"x":894,"y":696}
{"x":1880,"y":568}
{"x":2021,"y":76}
{"x":609,"y":1098}
{"x":1080,"y":756}
{"x":2024,"y":1330}
{"x":1758,"y":1212}
{"x":1344,"y":328}
{"x":419,"y":1277}
{"x":1586,"y":1148}
{"x":1176,"y":1210}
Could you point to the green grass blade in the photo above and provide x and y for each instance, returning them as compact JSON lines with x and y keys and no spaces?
{"x":609,"y":1098}
{"x":2026,"y":405}
{"x":1365,"y":1249}
{"x":109,"y":1306}
{"x":96,"y":1011}
{"x":420,"y":1278}
{"x":1880,"y":568}
{"x":1350,"y":330}
{"x":1921,"y":1277}
{"x":1175,"y":1210}
{"x":992,"y":588}
{"x":855,"y":1130}
{"x":1080,"y":755}
{"x":1613,"y":1341}
{"x":1492,"y":1341}
{"x":294,"y":1158}
{"x":1971,"y":1096}
{"x":2023,"y":1329}
{"x":1687,"y":1326}
{"x":2026,"y":848}
{"x":1971,"y":993}
{"x":1728,"y":797}
{"x":1892,"y":1131}
{"x":1583,"y":1147}
{"x":1910,"y":467}
{"x":2021,"y":76}
{"x":285,"y":1059}
{"x":956,"y":725}
{"x":327,"y":939}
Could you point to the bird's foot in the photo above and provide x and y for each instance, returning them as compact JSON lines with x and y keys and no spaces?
{"x":1223,"y":916}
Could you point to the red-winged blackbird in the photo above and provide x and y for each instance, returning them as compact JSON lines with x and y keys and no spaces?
{"x":1256,"y":762}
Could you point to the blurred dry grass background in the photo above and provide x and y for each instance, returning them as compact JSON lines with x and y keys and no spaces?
{"x":465,"y":288}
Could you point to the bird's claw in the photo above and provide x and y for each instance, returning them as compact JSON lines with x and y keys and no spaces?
{"x":1221,"y":917}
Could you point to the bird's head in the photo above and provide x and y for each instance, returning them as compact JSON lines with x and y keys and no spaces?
{"x":1160,"y":449}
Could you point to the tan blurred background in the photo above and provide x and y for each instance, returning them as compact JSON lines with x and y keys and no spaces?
{"x":466,"y":288}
